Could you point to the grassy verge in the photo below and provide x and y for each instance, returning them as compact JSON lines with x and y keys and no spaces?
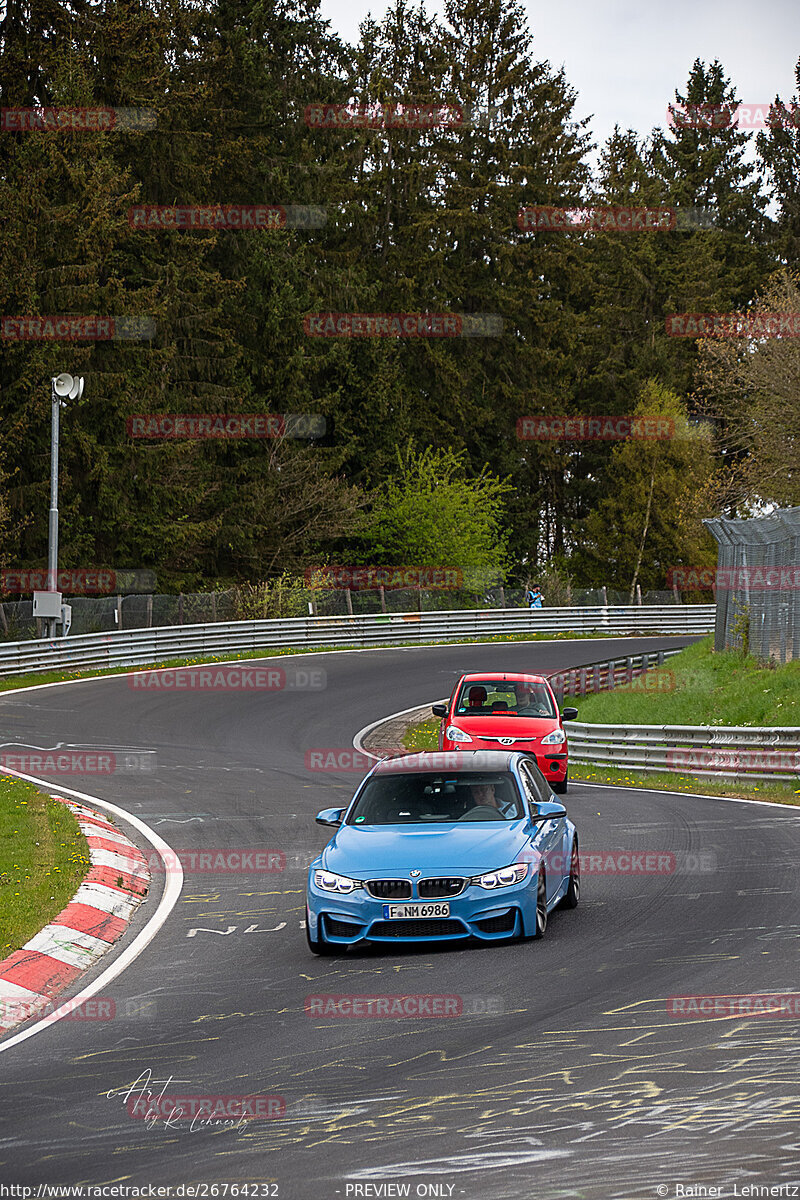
{"x":425,"y":737}
{"x":64,"y":676}
{"x":699,"y":687}
{"x":43,"y":858}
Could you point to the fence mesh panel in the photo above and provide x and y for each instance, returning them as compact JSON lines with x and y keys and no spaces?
{"x":104,"y":614}
{"x":759,"y":566}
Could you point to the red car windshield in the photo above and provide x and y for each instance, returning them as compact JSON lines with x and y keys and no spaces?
{"x":504,"y":698}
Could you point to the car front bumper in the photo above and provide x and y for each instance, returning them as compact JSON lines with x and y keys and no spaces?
{"x":476,"y":913}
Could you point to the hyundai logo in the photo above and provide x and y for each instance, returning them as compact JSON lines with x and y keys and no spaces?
{"x":507,"y":741}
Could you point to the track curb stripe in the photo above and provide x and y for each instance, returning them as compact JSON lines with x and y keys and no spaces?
{"x":91,"y":920}
{"x":84,"y":930}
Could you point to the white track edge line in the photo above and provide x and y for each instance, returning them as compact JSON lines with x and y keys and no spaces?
{"x":618,"y":787}
{"x":172,"y":890}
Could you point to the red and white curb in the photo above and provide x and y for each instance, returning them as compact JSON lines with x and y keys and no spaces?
{"x":98,"y":914}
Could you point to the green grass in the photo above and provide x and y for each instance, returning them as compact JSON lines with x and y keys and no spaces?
{"x":64,"y":676}
{"x":43,"y":858}
{"x":709,"y":689}
{"x":424,"y":736}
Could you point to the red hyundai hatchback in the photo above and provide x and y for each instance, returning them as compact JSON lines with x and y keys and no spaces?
{"x":512,"y":710}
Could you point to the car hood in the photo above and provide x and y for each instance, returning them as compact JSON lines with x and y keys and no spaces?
{"x":506,"y":726}
{"x":372,"y":851}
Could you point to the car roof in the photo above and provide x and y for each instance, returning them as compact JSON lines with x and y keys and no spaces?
{"x":454,"y":762}
{"x":504,"y":676}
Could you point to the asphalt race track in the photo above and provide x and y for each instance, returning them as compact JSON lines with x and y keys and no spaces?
{"x":565,"y":1076}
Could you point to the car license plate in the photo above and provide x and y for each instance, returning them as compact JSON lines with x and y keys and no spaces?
{"x":400,"y":912}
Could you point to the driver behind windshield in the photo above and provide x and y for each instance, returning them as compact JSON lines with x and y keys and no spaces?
{"x":485,"y":794}
{"x":532,"y":701}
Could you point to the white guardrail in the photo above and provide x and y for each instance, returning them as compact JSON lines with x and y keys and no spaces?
{"x":717,"y":751}
{"x":138,"y":647}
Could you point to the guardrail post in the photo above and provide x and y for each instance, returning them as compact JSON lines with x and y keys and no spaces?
{"x":349,"y":600}
{"x":610,"y":681}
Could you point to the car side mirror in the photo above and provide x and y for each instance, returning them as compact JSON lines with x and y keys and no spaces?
{"x":439,"y":710}
{"x":569,"y":714}
{"x":330,"y":816}
{"x":549,"y":811}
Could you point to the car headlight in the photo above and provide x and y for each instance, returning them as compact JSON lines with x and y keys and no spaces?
{"x":502,"y":878}
{"x":454,"y":734}
{"x":556,"y":738}
{"x":329,"y":882}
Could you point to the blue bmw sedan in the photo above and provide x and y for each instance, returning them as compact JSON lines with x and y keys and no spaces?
{"x":440,"y":848}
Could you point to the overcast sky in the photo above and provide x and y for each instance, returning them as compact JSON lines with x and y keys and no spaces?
{"x":625,"y":58}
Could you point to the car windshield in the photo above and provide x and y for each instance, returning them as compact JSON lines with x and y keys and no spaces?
{"x":506,"y":698}
{"x":424,"y":798}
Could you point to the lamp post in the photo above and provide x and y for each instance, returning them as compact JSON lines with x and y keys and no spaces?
{"x":61,"y":387}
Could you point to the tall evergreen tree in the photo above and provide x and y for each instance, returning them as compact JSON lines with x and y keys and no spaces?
{"x":779,"y":153}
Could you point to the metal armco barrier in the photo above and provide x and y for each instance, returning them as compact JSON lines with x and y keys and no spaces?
{"x":137,"y":647}
{"x":723,"y":752}
{"x":607,"y":674}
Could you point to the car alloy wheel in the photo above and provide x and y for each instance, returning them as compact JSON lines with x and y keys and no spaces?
{"x":541,"y":904}
{"x":573,"y":892}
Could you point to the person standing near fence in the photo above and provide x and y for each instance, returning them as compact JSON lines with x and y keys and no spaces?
{"x":534,"y":597}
